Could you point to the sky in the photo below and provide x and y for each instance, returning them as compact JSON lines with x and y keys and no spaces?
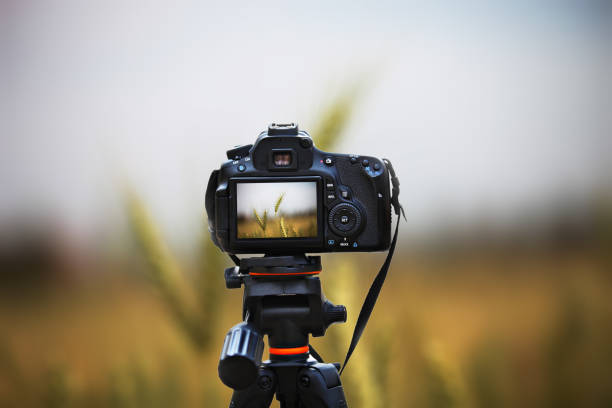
{"x":297,"y":197}
{"x":482,"y":106}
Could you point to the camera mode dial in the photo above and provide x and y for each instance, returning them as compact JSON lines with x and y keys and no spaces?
{"x":345,"y":219}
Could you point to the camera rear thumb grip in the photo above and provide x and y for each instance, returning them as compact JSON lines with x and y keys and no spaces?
{"x":241,"y":356}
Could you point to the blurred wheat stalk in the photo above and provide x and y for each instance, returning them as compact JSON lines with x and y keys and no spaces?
{"x":192,"y":301}
{"x":363,"y":379}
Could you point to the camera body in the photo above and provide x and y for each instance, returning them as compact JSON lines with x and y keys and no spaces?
{"x":282,"y":195}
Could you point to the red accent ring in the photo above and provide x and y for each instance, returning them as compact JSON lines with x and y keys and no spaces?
{"x":284,"y":273}
{"x":289,"y":351}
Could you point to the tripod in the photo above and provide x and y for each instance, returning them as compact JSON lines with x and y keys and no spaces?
{"x":282,"y":299}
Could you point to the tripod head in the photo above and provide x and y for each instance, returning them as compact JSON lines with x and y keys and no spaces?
{"x":282,"y":299}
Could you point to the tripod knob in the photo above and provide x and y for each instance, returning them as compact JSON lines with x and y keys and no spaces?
{"x":334,"y":314}
{"x":233,"y":280}
{"x":241,"y":356}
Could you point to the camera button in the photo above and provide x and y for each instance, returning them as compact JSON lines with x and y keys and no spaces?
{"x":365,"y":162}
{"x":353,"y":159}
{"x":377,"y":166}
{"x":345,"y":220}
{"x":241,"y":167}
{"x":344,"y":194}
{"x":328,"y":161}
{"x":329,"y":184}
{"x":305,"y":142}
{"x":238,"y":152}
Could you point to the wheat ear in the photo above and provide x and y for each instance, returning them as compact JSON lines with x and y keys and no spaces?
{"x":283,"y":228}
{"x":279,"y":200}
{"x":261,"y":221}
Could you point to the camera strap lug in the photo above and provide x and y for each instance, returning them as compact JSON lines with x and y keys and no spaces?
{"x":397,"y":207}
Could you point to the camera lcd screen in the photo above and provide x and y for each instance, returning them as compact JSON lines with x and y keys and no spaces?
{"x":276,"y":210}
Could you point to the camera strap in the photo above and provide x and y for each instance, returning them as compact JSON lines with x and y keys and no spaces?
{"x":372,"y":296}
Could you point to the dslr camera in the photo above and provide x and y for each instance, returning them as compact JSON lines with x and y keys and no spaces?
{"x":282,"y":195}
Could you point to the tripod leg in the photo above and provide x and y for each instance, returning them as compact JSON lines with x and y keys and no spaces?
{"x":257,"y":395}
{"x":319,"y":386}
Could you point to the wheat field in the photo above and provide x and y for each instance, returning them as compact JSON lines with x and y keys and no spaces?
{"x":485,"y":322}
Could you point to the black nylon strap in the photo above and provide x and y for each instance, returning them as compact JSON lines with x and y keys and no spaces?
{"x":370,"y":300}
{"x":235,"y":259}
{"x":314,"y":353}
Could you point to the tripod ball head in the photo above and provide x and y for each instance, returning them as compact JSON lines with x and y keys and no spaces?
{"x":241,"y":356}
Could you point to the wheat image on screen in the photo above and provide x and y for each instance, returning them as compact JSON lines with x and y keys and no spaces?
{"x":276,"y":210}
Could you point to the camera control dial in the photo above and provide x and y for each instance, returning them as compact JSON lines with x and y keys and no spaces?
{"x":345,"y":219}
